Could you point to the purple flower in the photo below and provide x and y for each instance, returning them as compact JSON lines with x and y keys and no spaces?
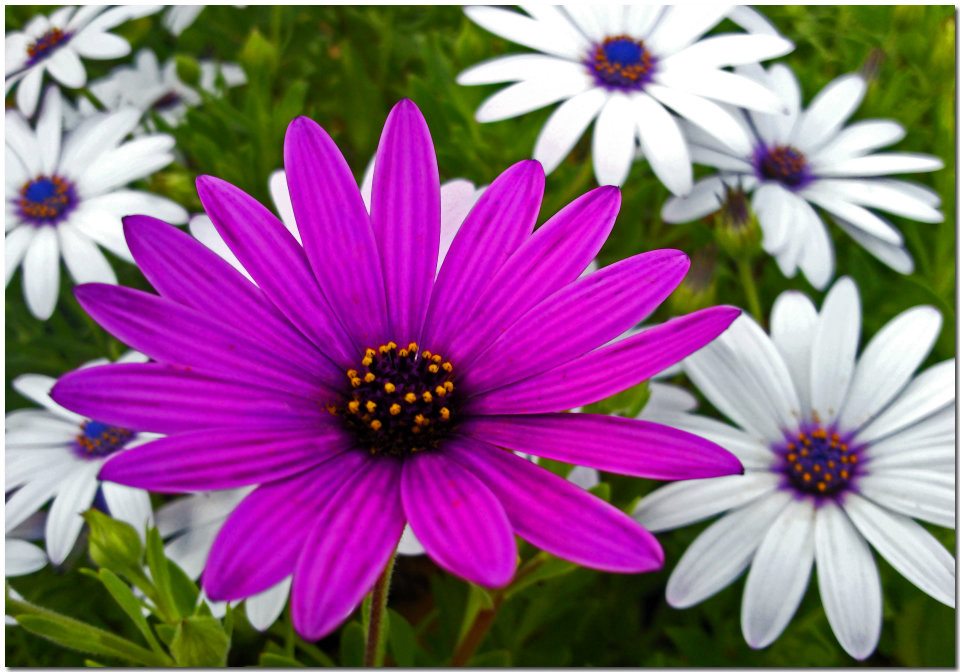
{"x":360,"y":390}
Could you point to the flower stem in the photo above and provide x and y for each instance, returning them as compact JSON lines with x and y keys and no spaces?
{"x":483,"y":620}
{"x":750,"y":289}
{"x":374,"y":647}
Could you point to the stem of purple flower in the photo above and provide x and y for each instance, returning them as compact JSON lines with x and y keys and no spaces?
{"x":374,"y":645}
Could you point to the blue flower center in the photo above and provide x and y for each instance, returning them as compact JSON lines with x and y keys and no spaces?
{"x":98,"y":439}
{"x":46,"y":44}
{"x":399,"y":401}
{"x":819,"y":462}
{"x":46,"y":200}
{"x":168,"y":100}
{"x":784,"y":164}
{"x":621,"y":62}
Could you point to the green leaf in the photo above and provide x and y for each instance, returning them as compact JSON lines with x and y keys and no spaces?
{"x":402,"y":640}
{"x":114,"y":544}
{"x":351,"y":645}
{"x":501,"y":658}
{"x":200,"y":641}
{"x":602,"y":490}
{"x":160,"y":574}
{"x":277,"y":660}
{"x":478,"y":600}
{"x":73,"y":634}
{"x":550,"y":568}
{"x":183,"y":590}
{"x":131,"y":606}
{"x":628,"y":403}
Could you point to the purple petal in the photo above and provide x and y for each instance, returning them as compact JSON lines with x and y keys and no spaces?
{"x":218,"y":459}
{"x":578,"y":318}
{"x":621,"y":445}
{"x":277,"y":263}
{"x":498,"y":224}
{"x":155,"y":398}
{"x":556,"y":515}
{"x":259,"y":544}
{"x":460,"y":523}
{"x":348,"y":548}
{"x":184,"y":338}
{"x":336,"y":230}
{"x":183,"y":270}
{"x":554,"y":256}
{"x":405,"y":211}
{"x":610,"y":369}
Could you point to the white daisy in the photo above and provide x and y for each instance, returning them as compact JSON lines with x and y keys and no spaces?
{"x":56,"y":43}
{"x":53,"y":453}
{"x":65,"y":192}
{"x":150,"y":88}
{"x":22,"y":557}
{"x":839,"y":452}
{"x":807,"y":158}
{"x":630,"y":68}
{"x":180,"y":17}
{"x":456,"y":199}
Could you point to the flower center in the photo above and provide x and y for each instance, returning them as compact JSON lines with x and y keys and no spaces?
{"x":399,"y":400}
{"x":46,"y":200}
{"x":784,"y":164}
{"x":621,"y":62}
{"x":46,"y":44}
{"x":819,"y":462}
{"x":99,"y":439}
{"x":168,"y":100}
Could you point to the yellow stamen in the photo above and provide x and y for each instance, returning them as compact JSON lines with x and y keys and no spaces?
{"x":369,"y":378}
{"x":410,"y":397}
{"x":376,"y":425}
{"x":433,"y":368}
{"x":354,"y":406}
{"x":444,"y":413}
{"x":395,"y":409}
{"x":441,"y":391}
{"x":371,"y":407}
{"x":390,"y":388}
{"x":427,"y":397}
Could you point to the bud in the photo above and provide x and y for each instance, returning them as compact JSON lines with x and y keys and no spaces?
{"x":114,"y":545}
{"x":258,"y":54}
{"x":736,"y":230}
{"x":699,"y":289}
{"x":188,"y":70}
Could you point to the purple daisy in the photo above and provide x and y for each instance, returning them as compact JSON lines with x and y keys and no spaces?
{"x":360,"y":390}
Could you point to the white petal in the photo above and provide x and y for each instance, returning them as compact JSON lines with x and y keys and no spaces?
{"x":816,"y":259}
{"x":125,"y":202}
{"x":829,"y":110}
{"x":41,"y":273}
{"x":781,"y":79}
{"x":65,"y":67}
{"x":849,"y":582}
{"x":682,"y":25}
{"x":16,"y":244}
{"x":28,"y":91}
{"x":751,"y":20}
{"x":640,"y":19}
{"x":265,"y":608}
{"x":881,"y":164}
{"x":919,"y":493}
{"x":744,"y":376}
{"x":64,"y":522}
{"x":103,"y":228}
{"x":32,"y":426}
{"x":530,"y":95}
{"x":613,"y":140}
{"x":778,"y":217}
{"x":131,"y":505}
{"x":929,"y":392}
{"x":584,"y":477}
{"x":722,"y":160}
{"x":33,"y":495}
{"x":565,"y":126}
{"x":190,"y":549}
{"x":909,"y":548}
{"x":892,"y":255}
{"x":877,"y":194}
{"x":684,"y":502}
{"x":723,"y":86}
{"x":919,"y":192}
{"x":409,"y":544}
{"x":22,"y":141}
{"x":201,"y":227}
{"x":667,"y":398}
{"x":22,"y":465}
{"x":22,"y":557}
{"x":858,"y":139}
{"x":179,"y":17}
{"x":83,"y":259}
{"x":100,"y":45}
{"x":853,"y":214}
{"x":711,"y":117}
{"x":722,"y":551}
{"x":129,"y":162}
{"x":558,"y":37}
{"x":888,"y":363}
{"x":779,"y":575}
{"x":589,"y":19}
{"x":793,"y":321}
{"x":834,"y":350}
{"x":457,"y":197}
{"x":15,"y":52}
{"x":280,"y":194}
{"x":514,"y":68}
{"x":84,"y":16}
{"x":94,"y":136}
{"x":930,"y":443}
{"x":36,"y":388}
{"x":198,"y":510}
{"x":731,"y":49}
{"x":704,"y":198}
{"x":49,"y":129}
{"x":663,"y":144}
{"x":752,"y":452}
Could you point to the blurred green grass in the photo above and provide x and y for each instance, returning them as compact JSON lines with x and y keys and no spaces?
{"x":345,"y":67}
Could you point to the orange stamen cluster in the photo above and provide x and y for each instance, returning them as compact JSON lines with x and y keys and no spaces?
{"x":46,"y":199}
{"x":820,"y":462}
{"x":621,"y":62}
{"x":45,"y":44}
{"x":98,"y":439}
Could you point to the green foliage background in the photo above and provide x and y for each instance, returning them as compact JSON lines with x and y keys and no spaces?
{"x":345,"y":67}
